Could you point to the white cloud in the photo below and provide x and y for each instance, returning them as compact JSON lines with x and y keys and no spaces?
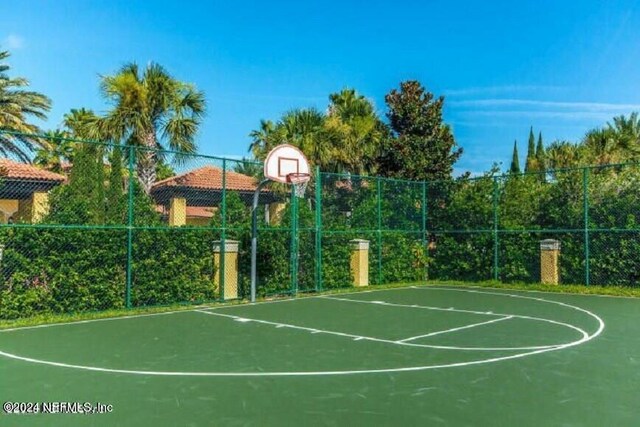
{"x":494,"y":90}
{"x":556,"y":115}
{"x":13,"y":42}
{"x":579,"y":106}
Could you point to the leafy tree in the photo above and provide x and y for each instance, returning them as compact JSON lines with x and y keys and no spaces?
{"x":151,"y":109}
{"x":515,"y":161}
{"x":17,"y":107}
{"x":420,"y":145}
{"x":530,"y":164}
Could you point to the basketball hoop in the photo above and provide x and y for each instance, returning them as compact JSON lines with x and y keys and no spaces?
{"x":299,"y":182}
{"x":285,"y":164}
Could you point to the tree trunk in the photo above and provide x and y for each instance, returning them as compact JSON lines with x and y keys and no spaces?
{"x":146,"y":161}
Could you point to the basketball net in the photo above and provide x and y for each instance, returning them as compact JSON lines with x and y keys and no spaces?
{"x":299,"y":182}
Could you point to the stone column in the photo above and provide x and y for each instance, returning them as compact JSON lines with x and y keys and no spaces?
{"x":549,"y":261}
{"x":177,"y":212}
{"x":230,"y":268}
{"x":360,"y":262}
{"x":40,"y":206}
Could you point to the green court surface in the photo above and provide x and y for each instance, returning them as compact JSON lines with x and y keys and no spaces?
{"x":406,"y":356}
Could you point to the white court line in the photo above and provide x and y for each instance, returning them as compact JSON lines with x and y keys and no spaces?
{"x":403,"y":341}
{"x":301,"y":328}
{"x":324,"y":373}
{"x":446,"y":331}
{"x":426,"y":307}
{"x":513,"y":290}
{"x":429,"y":288}
{"x":456,"y":310}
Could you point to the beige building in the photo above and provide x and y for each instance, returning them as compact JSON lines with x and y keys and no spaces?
{"x":24,"y":191}
{"x":192,"y":198}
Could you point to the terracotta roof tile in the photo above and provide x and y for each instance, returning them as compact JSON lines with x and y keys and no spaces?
{"x":16,"y":170}
{"x":209,"y":178}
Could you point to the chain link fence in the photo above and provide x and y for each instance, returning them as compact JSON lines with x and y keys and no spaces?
{"x":108,"y":226}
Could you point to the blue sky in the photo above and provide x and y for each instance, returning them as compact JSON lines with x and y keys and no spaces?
{"x":560,"y":66}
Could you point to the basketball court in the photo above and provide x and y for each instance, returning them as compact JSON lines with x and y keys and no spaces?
{"x":410,"y":355}
{"x":416,"y":355}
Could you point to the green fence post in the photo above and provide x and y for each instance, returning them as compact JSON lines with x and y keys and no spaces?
{"x":585,"y":195}
{"x":294,"y":242}
{"x":132,"y":154}
{"x":223,"y":232}
{"x":495,"y":228}
{"x":318,"y":229}
{"x":424,"y":224}
{"x":379,"y":234}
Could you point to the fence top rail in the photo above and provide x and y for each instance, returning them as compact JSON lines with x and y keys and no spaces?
{"x":336,"y":174}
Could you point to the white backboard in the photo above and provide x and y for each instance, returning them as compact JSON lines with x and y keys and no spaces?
{"x":284,"y":160}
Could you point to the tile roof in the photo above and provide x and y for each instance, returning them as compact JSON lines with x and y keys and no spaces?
{"x":16,"y":170}
{"x":209,"y":178}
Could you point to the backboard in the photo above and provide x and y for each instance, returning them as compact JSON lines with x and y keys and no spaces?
{"x":283,"y":161}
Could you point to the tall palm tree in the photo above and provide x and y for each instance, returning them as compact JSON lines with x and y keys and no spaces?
{"x":627,"y":131}
{"x":84,"y":124}
{"x":348,"y":103}
{"x":262,"y":139}
{"x":303,"y":128}
{"x":56,"y":150}
{"x":603,"y":146}
{"x":562,"y":154}
{"x":249,"y":167}
{"x":355,"y":129}
{"x":17,"y":106}
{"x":153,"y":110}
{"x":346,"y":138}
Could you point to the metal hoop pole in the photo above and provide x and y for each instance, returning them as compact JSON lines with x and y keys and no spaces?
{"x":254,"y":237}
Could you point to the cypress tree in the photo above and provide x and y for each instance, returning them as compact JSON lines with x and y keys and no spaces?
{"x":116,"y":202}
{"x":515,"y":161}
{"x":530,"y":164}
{"x":82,"y":200}
{"x":540,"y":154}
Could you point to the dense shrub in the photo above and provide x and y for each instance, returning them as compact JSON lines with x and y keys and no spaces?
{"x":61,"y":270}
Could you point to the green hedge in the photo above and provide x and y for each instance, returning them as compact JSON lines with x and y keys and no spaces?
{"x":60,"y":270}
